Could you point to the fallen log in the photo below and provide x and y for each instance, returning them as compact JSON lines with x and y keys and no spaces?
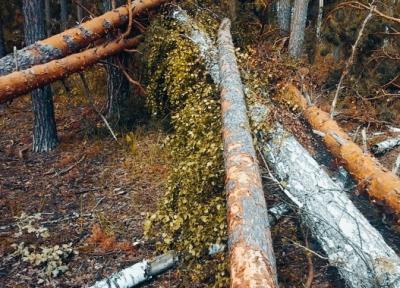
{"x":22,"y":82}
{"x":146,"y":270}
{"x":139,"y":272}
{"x":251,"y":257}
{"x":72,"y":40}
{"x":350,"y":242}
{"x":385,"y":146}
{"x":379,"y":183}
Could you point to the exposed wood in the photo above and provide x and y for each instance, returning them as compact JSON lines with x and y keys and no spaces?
{"x":251,"y":258}
{"x":73,"y":40}
{"x":378,"y":182}
{"x":21,"y":82}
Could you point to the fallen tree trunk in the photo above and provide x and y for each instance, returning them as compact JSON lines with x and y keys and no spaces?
{"x":351,"y":243}
{"x":252,"y":262}
{"x":380,"y":183}
{"x":72,"y":40}
{"x":385,"y":146}
{"x":21,"y":82}
{"x":139,"y":272}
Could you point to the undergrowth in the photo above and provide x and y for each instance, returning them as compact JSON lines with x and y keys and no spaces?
{"x":191,"y":216}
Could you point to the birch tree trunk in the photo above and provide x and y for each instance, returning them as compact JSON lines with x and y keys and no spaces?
{"x":74,"y":39}
{"x":378,"y":182}
{"x":319,"y":19}
{"x":298,"y":25}
{"x":44,"y":128}
{"x":251,"y":257}
{"x":21,"y":82}
{"x":284,"y":11}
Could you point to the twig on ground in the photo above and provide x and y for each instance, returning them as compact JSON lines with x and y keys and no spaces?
{"x":66,"y":170}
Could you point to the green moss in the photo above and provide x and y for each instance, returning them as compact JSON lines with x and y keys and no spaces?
{"x":192,"y":214}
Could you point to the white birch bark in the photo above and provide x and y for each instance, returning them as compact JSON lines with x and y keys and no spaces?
{"x":385,"y":146}
{"x":139,"y":272}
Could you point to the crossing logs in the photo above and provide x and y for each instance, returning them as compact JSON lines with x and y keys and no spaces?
{"x":21,"y":82}
{"x":380,"y":184}
{"x":72,"y":40}
{"x":350,"y":242}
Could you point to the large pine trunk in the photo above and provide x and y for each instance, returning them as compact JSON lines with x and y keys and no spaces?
{"x":117,"y":85}
{"x":73,"y":40}
{"x":21,"y":82}
{"x":44,"y":129}
{"x":298,"y":25}
{"x":283,"y":13}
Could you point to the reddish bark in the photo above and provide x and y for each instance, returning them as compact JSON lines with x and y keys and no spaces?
{"x":21,"y":82}
{"x":72,"y":40}
{"x":252,"y":263}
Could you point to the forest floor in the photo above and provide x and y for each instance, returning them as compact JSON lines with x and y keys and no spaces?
{"x":90,"y":192}
{"x":93,"y":194}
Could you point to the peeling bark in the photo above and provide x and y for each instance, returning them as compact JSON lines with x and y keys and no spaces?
{"x":378,"y":182}
{"x":352,"y":245}
{"x":21,"y":82}
{"x":72,"y":40}
{"x":252,"y":262}
{"x":385,"y":146}
{"x":139,"y":272}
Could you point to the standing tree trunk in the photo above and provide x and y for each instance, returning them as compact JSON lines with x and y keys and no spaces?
{"x":63,"y":14}
{"x":117,"y":85}
{"x":79,"y":10}
{"x":44,"y":129}
{"x":47,"y":12}
{"x":284,"y":10}
{"x":2,"y":43}
{"x":298,"y":26}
